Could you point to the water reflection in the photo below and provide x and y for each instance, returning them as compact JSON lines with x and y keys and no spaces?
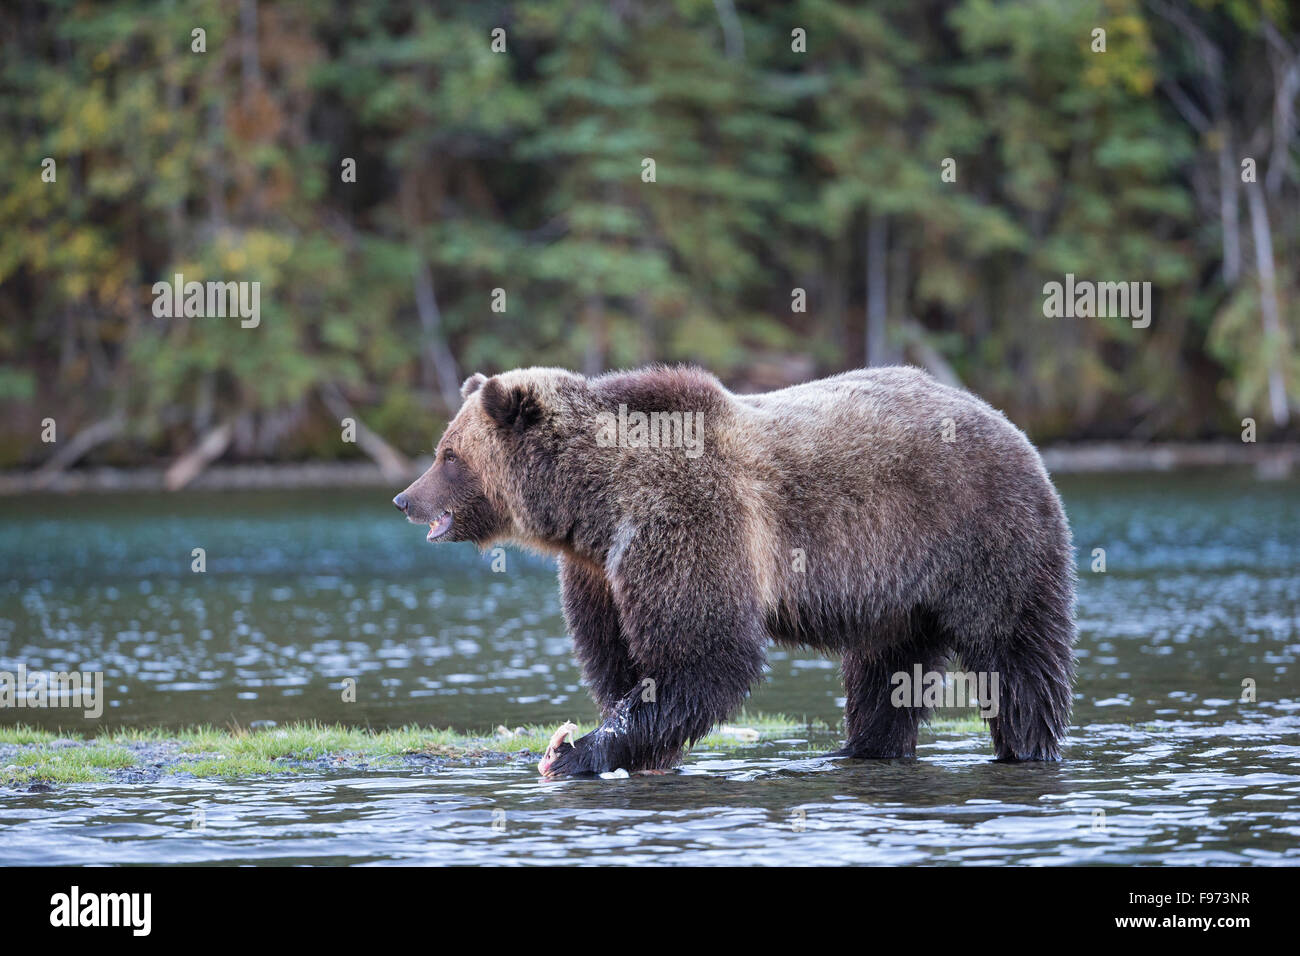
{"x":1165,"y":762}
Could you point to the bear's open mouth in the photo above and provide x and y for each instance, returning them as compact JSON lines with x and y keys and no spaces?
{"x":439,"y":526}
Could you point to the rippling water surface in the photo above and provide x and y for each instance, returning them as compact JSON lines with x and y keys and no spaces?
{"x":1165,"y":763}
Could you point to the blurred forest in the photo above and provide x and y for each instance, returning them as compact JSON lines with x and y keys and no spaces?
{"x":796,"y":146}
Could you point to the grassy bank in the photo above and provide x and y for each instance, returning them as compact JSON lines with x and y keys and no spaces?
{"x":32,"y":756}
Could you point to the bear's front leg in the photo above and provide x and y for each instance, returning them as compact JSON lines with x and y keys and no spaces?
{"x":635,"y":737}
{"x":696,"y":640}
{"x":575,"y":757}
{"x":598,"y":641}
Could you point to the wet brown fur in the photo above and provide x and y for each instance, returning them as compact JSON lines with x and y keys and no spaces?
{"x":676,"y":571}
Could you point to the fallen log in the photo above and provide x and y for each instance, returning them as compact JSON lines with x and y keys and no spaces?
{"x":106,"y":429}
{"x":209,"y":448}
{"x":394,"y":465}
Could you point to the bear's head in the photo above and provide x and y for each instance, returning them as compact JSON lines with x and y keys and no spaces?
{"x":497,"y":471}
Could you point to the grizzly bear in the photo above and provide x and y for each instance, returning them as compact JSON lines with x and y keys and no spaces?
{"x":878,"y":515}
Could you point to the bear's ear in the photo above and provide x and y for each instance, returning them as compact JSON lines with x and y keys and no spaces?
{"x":472,"y":385}
{"x":517,"y":407}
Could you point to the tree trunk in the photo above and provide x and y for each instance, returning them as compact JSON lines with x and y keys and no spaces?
{"x":215,"y":168}
{"x":250,"y":67}
{"x":595,"y":353}
{"x":733,"y":38}
{"x":437,"y":355}
{"x":1228,"y":211}
{"x":877,"y":291}
{"x":1278,"y":346}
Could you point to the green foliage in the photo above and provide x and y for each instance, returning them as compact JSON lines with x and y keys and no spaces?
{"x":523,"y":171}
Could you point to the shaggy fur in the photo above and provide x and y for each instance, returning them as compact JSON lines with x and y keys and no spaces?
{"x":675,"y":570}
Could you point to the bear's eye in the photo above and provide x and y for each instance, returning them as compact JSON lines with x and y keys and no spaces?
{"x":449,"y":456}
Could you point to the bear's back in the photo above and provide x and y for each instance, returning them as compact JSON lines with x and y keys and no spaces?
{"x":891,"y":484}
{"x":882,"y":417}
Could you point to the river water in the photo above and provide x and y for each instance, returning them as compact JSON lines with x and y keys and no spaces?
{"x":1166,"y":762}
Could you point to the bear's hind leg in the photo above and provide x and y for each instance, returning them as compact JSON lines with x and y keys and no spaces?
{"x":1035,"y":668}
{"x":876,"y":728}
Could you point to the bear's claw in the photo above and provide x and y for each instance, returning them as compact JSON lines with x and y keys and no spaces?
{"x":566,"y":729}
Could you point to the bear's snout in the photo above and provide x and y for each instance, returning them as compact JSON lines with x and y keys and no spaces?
{"x":423,"y":505}
{"x":413,"y":502}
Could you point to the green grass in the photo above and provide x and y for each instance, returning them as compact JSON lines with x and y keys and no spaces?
{"x":239,"y":752}
{"x":22,"y":734}
{"x":968,"y":723}
{"x":68,"y":764}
